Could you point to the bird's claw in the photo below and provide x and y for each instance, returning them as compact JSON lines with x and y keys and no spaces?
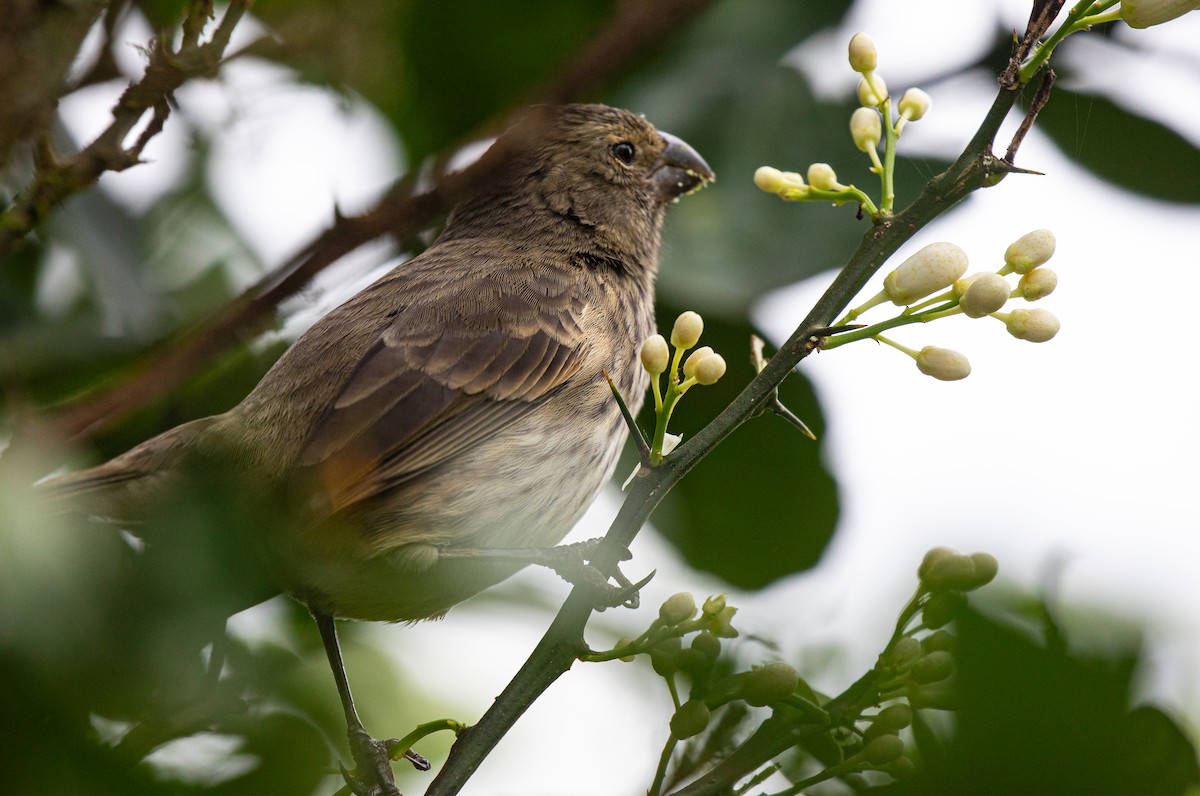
{"x":572,"y":565}
{"x":372,"y":775}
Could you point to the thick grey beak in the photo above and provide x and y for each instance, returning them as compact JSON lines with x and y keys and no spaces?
{"x":680,"y":171}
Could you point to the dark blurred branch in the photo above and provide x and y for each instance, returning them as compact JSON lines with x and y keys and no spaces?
{"x":977,"y":167}
{"x":635,"y":30}
{"x":38,"y":43}
{"x":58,"y":177}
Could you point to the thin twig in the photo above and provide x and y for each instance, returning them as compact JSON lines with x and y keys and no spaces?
{"x":1035,"y":107}
{"x":59,"y":177}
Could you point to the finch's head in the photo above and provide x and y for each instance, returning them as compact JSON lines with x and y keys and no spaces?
{"x":597,"y":171}
{"x":613,"y":148}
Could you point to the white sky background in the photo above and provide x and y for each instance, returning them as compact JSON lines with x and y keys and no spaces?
{"x":1082,"y":450}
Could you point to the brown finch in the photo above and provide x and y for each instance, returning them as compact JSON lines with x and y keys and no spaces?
{"x":457,"y":403}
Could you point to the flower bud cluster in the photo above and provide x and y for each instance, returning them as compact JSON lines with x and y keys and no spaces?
{"x":933,"y":284}
{"x":703,"y":367}
{"x":870,"y":125}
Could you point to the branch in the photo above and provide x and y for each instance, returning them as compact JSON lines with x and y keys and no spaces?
{"x":635,"y":30}
{"x":977,"y":167}
{"x":58,"y":178}
{"x":38,"y":43}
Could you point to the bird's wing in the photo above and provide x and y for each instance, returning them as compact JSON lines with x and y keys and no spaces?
{"x":436,"y":382}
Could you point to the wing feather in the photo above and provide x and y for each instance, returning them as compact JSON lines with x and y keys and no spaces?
{"x":427,"y":390}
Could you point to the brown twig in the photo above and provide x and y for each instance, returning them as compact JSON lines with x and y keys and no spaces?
{"x":1035,"y":107}
{"x":59,"y":177}
{"x":629,"y":34}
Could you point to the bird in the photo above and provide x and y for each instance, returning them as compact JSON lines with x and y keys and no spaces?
{"x":459,"y":403}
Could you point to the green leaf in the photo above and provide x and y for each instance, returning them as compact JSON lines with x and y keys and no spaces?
{"x":762,"y":505}
{"x":1038,"y":717}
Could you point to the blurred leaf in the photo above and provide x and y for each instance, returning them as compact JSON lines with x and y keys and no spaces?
{"x":1128,"y":150}
{"x":1037,"y":718}
{"x":465,"y":60}
{"x":762,"y":505}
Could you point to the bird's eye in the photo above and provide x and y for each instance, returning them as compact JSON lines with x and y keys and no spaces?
{"x":624,"y":152}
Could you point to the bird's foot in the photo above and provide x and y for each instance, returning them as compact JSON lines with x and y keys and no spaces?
{"x":571,"y":563}
{"x":372,"y":775}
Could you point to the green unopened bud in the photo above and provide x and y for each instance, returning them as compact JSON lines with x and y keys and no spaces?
{"x":822,"y":177}
{"x":955,"y":572}
{"x":902,"y":767}
{"x":940,"y":640}
{"x":691,"y":719}
{"x":766,"y":685}
{"x":932,"y":668}
{"x":986,"y":569}
{"x":655,"y":355}
{"x":689,"y":364}
{"x":707,"y":645}
{"x":894,"y":717}
{"x":914,"y":104}
{"x":872,"y":91}
{"x":942,"y":608}
{"x":943,"y":364}
{"x":625,"y":642}
{"x":1037,"y":284}
{"x":934,"y":555}
{"x":986,"y":294}
{"x":687,"y":330}
{"x":1036,"y":325}
{"x":941,"y":695}
{"x":865,"y":128}
{"x":696,"y":664}
{"x":1144,"y":13}
{"x":710,"y":369}
{"x":906,"y":650}
{"x":677,"y":608}
{"x":664,"y":656}
{"x":883,"y":750}
{"x":1029,"y":251}
{"x":863,"y":55}
{"x":769,"y":179}
{"x":933,"y":268}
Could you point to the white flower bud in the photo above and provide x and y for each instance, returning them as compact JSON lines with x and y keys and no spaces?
{"x":933,"y":268}
{"x":687,"y":330}
{"x":1144,"y":13}
{"x":872,"y":91}
{"x":710,"y":369}
{"x":1036,"y":325}
{"x":822,"y":177}
{"x":943,"y":364}
{"x":914,"y":104}
{"x":865,"y":128}
{"x":689,"y":365}
{"x":655,"y":355}
{"x":677,"y":608}
{"x":1030,"y":250}
{"x":986,"y":294}
{"x":863,"y":55}
{"x":769,"y":179}
{"x":1037,"y":284}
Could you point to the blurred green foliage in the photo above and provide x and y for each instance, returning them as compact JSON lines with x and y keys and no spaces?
{"x":96,"y":637}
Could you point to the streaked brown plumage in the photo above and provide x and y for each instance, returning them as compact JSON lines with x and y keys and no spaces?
{"x":458,"y":401}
